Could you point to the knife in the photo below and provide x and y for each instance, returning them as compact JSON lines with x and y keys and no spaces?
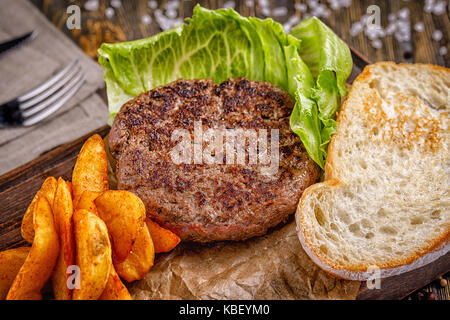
{"x":16,"y":42}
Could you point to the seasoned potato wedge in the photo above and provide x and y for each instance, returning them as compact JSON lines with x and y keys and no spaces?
{"x":164,"y":240}
{"x":91,"y":169}
{"x":124,"y":215}
{"x":93,"y":255}
{"x":86,"y":201}
{"x":47,"y":190}
{"x":115,"y":289}
{"x":10,"y":263}
{"x":39,"y":264}
{"x":62,"y":212}
{"x":140,"y":259}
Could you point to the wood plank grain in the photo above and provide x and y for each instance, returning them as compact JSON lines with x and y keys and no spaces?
{"x":126,"y":24}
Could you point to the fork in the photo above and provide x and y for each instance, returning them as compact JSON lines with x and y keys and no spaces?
{"x":44,"y":100}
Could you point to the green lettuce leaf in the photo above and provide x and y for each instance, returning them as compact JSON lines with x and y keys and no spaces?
{"x":221,"y":44}
{"x":329,"y":60}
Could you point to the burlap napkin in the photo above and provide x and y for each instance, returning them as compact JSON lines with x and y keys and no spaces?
{"x":31,"y":64}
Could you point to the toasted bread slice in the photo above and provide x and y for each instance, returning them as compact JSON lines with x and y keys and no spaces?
{"x":385,"y":201}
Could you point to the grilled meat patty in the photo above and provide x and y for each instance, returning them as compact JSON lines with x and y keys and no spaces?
{"x":209,"y":202}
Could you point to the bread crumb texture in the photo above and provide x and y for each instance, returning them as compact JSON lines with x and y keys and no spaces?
{"x":385,"y":199}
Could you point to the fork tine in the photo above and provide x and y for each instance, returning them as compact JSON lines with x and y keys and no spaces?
{"x":44,"y":104}
{"x":50,"y":82}
{"x":74,"y":86}
{"x":50,"y":91}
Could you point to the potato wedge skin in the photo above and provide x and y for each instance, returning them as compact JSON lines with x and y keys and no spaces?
{"x":124,"y":214}
{"x":115,"y":289}
{"x":93,"y":255}
{"x":164,"y":240}
{"x":91,"y":168}
{"x":10,"y":263}
{"x":86,"y":201}
{"x":41,"y":260}
{"x":140,"y":260}
{"x":47,"y":190}
{"x":27,"y":227}
{"x":63,"y":212}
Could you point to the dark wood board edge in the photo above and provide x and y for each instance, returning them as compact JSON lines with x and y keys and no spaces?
{"x":359,"y":62}
{"x":400,"y":286}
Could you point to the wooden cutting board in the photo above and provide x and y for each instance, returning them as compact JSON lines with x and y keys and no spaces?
{"x":18,"y":187}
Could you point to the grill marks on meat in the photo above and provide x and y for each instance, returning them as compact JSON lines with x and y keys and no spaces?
{"x":204,"y":202}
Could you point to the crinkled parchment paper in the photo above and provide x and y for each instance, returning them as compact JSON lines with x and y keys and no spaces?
{"x":273,"y":266}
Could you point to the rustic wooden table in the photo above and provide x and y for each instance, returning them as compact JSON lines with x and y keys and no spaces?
{"x":127,"y":23}
{"x":114,"y":20}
